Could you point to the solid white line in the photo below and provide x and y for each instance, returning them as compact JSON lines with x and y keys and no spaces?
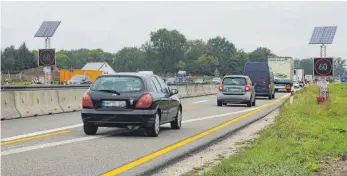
{"x":202,"y":101}
{"x":41,"y":146}
{"x":40,"y":132}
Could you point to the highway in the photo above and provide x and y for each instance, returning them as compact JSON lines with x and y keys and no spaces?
{"x":56,"y":144}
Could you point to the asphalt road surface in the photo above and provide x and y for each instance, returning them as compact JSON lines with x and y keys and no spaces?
{"x":56,"y":144}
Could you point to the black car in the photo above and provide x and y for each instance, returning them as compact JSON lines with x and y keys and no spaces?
{"x":130,"y":100}
{"x":261,"y":74}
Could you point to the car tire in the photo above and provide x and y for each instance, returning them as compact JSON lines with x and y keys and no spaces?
{"x":270,"y":96}
{"x":177,"y":123}
{"x":153,"y":131}
{"x":249,"y":104}
{"x":273,"y":96}
{"x":253,"y":104}
{"x":90,"y":129}
{"x":219,"y":103}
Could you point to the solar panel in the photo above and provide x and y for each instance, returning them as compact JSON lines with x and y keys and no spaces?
{"x":329,"y":34}
{"x":47,"y":29}
{"x":323,"y":35}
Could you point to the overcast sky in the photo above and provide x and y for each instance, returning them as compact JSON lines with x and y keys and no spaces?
{"x":284,"y":27}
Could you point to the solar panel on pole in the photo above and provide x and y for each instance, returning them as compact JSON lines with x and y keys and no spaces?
{"x":317,"y":35}
{"x":323,"y":35}
{"x":329,"y":34}
{"x":47,"y":29}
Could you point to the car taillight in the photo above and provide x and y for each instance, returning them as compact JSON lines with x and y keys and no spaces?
{"x":87,"y":101}
{"x":221,"y":87}
{"x":269,"y":86}
{"x":145,"y":101}
{"x":247,"y":88}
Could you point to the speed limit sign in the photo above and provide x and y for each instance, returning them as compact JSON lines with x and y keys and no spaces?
{"x":46,"y":57}
{"x":323,"y":67}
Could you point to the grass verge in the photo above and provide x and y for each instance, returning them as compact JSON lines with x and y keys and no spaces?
{"x":301,"y":136}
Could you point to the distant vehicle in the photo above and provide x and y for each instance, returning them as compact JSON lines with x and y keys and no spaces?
{"x":283,"y":71}
{"x":236,"y":89}
{"x":170,"y":81}
{"x":199,"y":81}
{"x":261,"y":74}
{"x":343,"y":78}
{"x":79,"y":79}
{"x":216,"y":80}
{"x":181,"y":77}
{"x":130,"y":100}
{"x":296,"y":84}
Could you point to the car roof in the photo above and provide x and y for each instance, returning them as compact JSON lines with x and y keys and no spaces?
{"x":236,"y":76}
{"x":142,"y":75}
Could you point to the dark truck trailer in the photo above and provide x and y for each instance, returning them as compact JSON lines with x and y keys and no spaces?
{"x":261,"y":74}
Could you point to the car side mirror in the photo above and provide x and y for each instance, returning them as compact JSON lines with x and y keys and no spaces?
{"x":174,"y":91}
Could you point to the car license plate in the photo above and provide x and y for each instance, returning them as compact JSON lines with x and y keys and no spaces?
{"x":114,"y":103}
{"x":234,"y":90}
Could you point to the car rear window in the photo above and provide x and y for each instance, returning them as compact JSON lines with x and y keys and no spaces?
{"x":234,"y":81}
{"x":119,"y":84}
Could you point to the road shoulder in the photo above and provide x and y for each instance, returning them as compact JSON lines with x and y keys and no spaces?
{"x":202,"y":160}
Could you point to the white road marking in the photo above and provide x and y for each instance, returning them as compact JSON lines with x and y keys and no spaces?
{"x":40,"y":132}
{"x":202,"y":101}
{"x":41,"y":146}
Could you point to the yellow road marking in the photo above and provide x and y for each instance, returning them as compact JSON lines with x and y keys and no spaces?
{"x":186,"y":141}
{"x":33,"y":137}
{"x":189,"y":107}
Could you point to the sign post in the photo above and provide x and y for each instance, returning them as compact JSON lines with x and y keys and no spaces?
{"x":323,"y":67}
{"x":47,"y":59}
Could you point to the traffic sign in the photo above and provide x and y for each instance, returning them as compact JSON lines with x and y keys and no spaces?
{"x":323,"y":66}
{"x":46,"y":57}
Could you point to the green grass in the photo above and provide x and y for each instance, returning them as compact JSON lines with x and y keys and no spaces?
{"x":302,"y":135}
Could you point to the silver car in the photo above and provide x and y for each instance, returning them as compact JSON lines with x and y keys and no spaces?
{"x":236,"y":89}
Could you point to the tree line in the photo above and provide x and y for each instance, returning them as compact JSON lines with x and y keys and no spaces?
{"x":166,"y":52}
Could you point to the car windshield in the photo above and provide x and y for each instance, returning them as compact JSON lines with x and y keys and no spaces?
{"x":234,"y":81}
{"x":119,"y":84}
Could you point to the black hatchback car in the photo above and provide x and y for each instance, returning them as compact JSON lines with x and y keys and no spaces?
{"x":128,"y":100}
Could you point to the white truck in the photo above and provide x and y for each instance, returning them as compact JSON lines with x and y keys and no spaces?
{"x":309,"y":78}
{"x":300,"y":77}
{"x":283,"y":71}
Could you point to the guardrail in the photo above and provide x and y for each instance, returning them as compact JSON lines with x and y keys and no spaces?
{"x":35,"y":100}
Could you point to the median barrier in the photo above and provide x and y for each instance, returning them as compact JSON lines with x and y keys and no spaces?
{"x":71,"y":99}
{"x":26,"y":102}
{"x":8,"y":108}
{"x":33,"y":103}
{"x":182,"y":91}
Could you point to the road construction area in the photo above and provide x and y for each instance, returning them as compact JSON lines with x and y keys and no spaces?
{"x":56,"y":144}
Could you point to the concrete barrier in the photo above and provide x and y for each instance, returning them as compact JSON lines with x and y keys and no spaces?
{"x":71,"y":99}
{"x":16,"y":104}
{"x":8,"y":108}
{"x":33,"y":103}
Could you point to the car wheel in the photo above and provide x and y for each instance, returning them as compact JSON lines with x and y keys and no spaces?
{"x":249,"y":104}
{"x":270,"y":96}
{"x":219,"y":103}
{"x":253,"y":104}
{"x":177,"y":123}
{"x":90,"y":129}
{"x":153,"y":131}
{"x":273,"y":96}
